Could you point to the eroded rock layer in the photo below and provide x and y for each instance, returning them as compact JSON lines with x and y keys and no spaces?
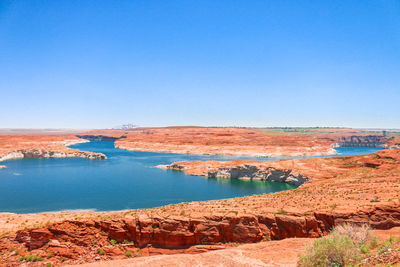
{"x":229,"y":141}
{"x":251,"y":171}
{"x":42,"y":146}
{"x":269,"y":142}
{"x":86,"y":241}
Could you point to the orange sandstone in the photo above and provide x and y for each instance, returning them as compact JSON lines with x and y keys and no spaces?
{"x":233,"y":141}
{"x":36,"y":146}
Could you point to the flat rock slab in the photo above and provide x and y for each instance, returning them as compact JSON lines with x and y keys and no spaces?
{"x":273,"y":253}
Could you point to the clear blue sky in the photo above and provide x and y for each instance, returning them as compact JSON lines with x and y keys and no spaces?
{"x":95,"y":64}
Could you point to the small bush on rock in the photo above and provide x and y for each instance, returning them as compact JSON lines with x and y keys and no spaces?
{"x":359,"y":234}
{"x":342,"y":247}
{"x":332,"y":250}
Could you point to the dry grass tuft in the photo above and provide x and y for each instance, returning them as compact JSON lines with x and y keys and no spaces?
{"x":342,"y":247}
{"x":358,"y":233}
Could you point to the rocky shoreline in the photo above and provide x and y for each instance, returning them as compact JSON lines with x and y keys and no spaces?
{"x":18,"y":147}
{"x":228,"y":141}
{"x":227,"y":151}
{"x":38,"y":153}
{"x":243,"y":171}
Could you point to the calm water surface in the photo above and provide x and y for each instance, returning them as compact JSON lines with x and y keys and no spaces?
{"x":126,"y":180}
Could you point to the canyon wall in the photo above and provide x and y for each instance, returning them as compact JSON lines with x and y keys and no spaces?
{"x":180,"y":232}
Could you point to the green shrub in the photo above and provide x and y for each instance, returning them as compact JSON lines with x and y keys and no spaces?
{"x":358,"y":233}
{"x":128,"y":254}
{"x":332,"y":250}
{"x":365,"y":249}
{"x":282,"y":211}
{"x":100,"y":251}
{"x":374,"y":242}
{"x":385,"y":247}
{"x":113,"y":242}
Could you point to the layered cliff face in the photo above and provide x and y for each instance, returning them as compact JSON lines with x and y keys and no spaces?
{"x":241,"y":171}
{"x":42,"y":146}
{"x":231,"y":141}
{"x":292,"y":171}
{"x":105,"y":239}
{"x":38,"y":153}
{"x":393,"y":143}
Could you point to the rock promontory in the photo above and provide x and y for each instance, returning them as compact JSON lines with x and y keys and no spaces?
{"x":239,"y":170}
{"x":42,"y":146}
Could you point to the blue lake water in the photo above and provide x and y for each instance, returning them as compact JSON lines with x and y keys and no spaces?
{"x":125,"y":180}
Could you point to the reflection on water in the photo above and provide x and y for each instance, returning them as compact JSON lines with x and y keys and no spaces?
{"x":253,"y":185}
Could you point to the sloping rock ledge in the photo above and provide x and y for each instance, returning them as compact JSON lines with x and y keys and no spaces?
{"x":245,"y":171}
{"x":38,"y":153}
{"x":185,"y":232}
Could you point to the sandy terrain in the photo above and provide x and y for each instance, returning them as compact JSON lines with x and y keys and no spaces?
{"x":260,"y":254}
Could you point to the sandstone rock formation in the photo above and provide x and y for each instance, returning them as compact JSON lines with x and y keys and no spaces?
{"x":270,"y":142}
{"x":263,"y":254}
{"x":227,"y":141}
{"x":252,"y":171}
{"x":42,"y":146}
{"x":83,"y":241}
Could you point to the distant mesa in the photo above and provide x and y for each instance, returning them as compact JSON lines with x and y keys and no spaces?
{"x":363,"y":141}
